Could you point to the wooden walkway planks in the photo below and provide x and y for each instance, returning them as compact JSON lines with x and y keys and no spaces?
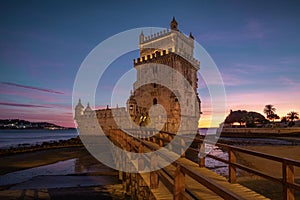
{"x":200,"y":191}
{"x":237,"y":189}
{"x":161,"y":192}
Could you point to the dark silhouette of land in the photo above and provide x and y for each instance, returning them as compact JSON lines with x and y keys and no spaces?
{"x":23,"y":124}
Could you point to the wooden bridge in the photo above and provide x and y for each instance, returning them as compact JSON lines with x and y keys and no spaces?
{"x":185,"y":179}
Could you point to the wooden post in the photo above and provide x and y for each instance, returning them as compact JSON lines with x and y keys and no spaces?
{"x":154,"y":137}
{"x":120,"y":175}
{"x":148,"y":136}
{"x":141,"y":164}
{"x":141,"y":188}
{"x":179,"y":183}
{"x":182,"y":145}
{"x":232,"y":169}
{"x":288,"y":177}
{"x":153,"y":174}
{"x":161,"y":142}
{"x":119,"y":164}
{"x":170,"y":140}
{"x":133,"y":186}
{"x":125,"y":146}
{"x":109,"y":133}
{"x":128,"y":140}
{"x":116,"y":137}
{"x":127,"y":182}
{"x":143,"y":135}
{"x":120,"y":141}
{"x":202,"y":155}
{"x":170,"y":137}
{"x":132,"y":144}
{"x":133,"y":148}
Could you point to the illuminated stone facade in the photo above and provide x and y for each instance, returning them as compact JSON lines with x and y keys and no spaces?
{"x":175,"y":50}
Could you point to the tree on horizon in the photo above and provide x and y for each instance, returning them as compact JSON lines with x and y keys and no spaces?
{"x":251,"y":119}
{"x":270,"y":110}
{"x":292,"y":116}
{"x":284,"y":119}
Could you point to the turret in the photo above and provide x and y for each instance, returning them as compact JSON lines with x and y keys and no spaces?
{"x":78,"y":110}
{"x":88,"y":112}
{"x":87,"y":109}
{"x":142,"y":37}
{"x":191,"y":35}
{"x":174,"y":25}
{"x":131,"y":105}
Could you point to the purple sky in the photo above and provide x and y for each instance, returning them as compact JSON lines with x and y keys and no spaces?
{"x":255,"y":44}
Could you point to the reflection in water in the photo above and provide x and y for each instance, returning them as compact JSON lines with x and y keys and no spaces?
{"x":88,"y":163}
{"x":83,"y":164}
{"x":215,"y":165}
{"x":59,"y":168}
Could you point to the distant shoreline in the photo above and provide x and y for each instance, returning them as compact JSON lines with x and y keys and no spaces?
{"x":24,"y":124}
{"x":261,"y":132}
{"x":73,"y":142}
{"x":31,"y":128}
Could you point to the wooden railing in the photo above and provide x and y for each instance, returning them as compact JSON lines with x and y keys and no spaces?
{"x":288,"y":166}
{"x":177,"y":181}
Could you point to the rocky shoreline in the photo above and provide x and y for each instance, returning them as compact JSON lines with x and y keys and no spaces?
{"x":73,"y":142}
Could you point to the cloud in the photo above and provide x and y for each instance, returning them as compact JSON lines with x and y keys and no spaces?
{"x":32,"y":88}
{"x":23,"y":105}
{"x":288,"y":81}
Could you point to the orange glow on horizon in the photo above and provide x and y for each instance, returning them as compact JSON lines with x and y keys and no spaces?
{"x":206,"y":120}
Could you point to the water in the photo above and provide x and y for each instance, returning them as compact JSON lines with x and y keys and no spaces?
{"x":59,"y":168}
{"x":61,"y":174}
{"x":29,"y":137}
{"x":217,"y":166}
{"x":222,"y":168}
{"x":207,"y":131}
{"x":261,"y":141}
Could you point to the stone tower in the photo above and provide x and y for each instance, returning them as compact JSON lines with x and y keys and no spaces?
{"x":174,"y":49}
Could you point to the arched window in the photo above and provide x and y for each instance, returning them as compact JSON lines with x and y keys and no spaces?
{"x":154,"y":101}
{"x":176,"y":99}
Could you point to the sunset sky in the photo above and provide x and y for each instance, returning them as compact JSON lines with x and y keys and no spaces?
{"x":255,"y":45}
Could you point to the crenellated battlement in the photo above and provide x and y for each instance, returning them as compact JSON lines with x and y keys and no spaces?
{"x":165,"y":42}
{"x":164,"y":33}
{"x":155,"y":36}
{"x":159,"y":54}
